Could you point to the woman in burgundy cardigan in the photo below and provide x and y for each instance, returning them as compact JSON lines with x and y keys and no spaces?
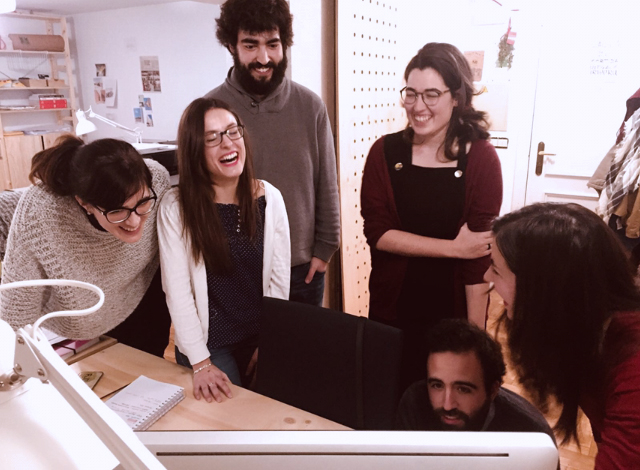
{"x":429,"y":195}
{"x":572,"y":314}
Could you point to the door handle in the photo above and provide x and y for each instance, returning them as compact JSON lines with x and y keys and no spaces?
{"x":540,"y":159}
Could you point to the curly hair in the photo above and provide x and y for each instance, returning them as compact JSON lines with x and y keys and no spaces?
{"x":254,"y":16}
{"x":459,"y":336}
{"x":572,"y":275}
{"x":466,"y":124}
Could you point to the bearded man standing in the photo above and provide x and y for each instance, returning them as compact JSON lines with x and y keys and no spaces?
{"x":289,"y":131}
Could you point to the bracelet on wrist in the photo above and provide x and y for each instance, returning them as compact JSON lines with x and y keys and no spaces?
{"x":200,"y":369}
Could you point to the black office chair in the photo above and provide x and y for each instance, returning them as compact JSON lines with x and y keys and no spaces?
{"x":339,"y":366}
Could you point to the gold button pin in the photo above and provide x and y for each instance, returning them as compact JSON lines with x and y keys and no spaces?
{"x":398,"y":166}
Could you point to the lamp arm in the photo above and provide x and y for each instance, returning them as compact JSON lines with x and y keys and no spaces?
{"x":136,"y":132}
{"x":34,"y":357}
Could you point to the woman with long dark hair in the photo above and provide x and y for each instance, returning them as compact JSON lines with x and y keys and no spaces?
{"x":224,"y":243}
{"x":572,"y":314}
{"x":429,"y":195}
{"x":90,"y":216}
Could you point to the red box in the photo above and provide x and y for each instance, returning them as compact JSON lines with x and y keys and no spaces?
{"x":51,"y":104}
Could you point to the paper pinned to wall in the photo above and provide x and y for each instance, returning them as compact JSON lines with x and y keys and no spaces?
{"x":495,"y":102}
{"x":476,"y":62}
{"x":110,"y":91}
{"x":150,"y":73}
{"x":98,"y":90}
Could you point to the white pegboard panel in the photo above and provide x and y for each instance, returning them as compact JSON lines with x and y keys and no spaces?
{"x":368,"y":107}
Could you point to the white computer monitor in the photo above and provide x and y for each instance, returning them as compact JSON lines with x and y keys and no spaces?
{"x":351,"y":450}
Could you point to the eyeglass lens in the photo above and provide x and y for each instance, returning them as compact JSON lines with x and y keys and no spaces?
{"x":142,"y":208}
{"x":429,"y":97}
{"x":214,"y":139}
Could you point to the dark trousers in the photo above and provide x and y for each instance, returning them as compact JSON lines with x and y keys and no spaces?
{"x":147,"y":328}
{"x":311,"y":293}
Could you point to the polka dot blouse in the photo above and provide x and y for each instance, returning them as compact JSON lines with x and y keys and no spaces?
{"x":235,"y":300}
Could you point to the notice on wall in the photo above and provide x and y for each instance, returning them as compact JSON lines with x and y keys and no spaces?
{"x":110,"y":91}
{"x":101,"y":70}
{"x":137,"y":115}
{"x":476,"y":62}
{"x":150,"y":73}
{"x":603,"y":65}
{"x":98,"y":90}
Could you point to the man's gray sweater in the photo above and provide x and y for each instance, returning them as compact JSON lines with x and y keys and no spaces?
{"x":292,"y":146}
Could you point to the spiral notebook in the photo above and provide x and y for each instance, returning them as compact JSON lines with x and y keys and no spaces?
{"x":144,"y":401}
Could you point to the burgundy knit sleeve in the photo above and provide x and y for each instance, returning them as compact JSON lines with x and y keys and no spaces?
{"x":376,"y":196}
{"x":483,"y":198}
{"x":620,"y":432}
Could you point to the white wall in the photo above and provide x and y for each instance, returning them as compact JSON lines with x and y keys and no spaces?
{"x":181,"y":34}
{"x":312,"y":61}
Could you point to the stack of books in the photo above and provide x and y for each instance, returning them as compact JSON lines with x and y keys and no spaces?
{"x":68,"y":347}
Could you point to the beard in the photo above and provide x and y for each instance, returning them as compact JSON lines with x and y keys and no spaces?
{"x":264,"y":86}
{"x":472,"y":422}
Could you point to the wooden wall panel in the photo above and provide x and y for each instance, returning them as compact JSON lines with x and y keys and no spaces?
{"x":368,"y":106}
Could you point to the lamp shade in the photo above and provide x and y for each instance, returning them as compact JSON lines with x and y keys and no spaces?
{"x":84,"y":126}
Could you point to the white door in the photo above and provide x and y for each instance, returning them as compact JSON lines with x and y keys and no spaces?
{"x":589,"y":65}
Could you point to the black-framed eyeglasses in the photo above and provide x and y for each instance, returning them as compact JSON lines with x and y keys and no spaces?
{"x":143,"y":207}
{"x":429,"y":97}
{"x":215,"y":138}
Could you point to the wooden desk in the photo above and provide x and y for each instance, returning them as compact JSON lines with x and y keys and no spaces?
{"x":245,"y":411}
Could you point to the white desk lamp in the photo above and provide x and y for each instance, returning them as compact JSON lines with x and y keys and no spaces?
{"x":38,"y":429}
{"x":85,"y":126}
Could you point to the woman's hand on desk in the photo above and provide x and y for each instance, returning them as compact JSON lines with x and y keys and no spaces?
{"x":210,"y":382}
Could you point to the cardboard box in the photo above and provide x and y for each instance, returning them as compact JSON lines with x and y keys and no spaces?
{"x":56,"y":83}
{"x":33,"y":82}
{"x":37,"y":42}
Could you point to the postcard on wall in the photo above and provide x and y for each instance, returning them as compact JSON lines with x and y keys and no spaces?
{"x":149,"y":120}
{"x":137,"y":115}
{"x":98,"y":90}
{"x":150,"y":73}
{"x":110,"y":91}
{"x":147,"y":104}
{"x":140,"y":101}
{"x":101,"y":70}
{"x":476,"y":62}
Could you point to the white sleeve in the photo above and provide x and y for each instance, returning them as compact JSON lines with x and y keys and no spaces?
{"x":177,"y":282}
{"x":279,"y":283}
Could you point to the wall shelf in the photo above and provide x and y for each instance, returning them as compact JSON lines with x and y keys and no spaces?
{"x":17,"y":150}
{"x":27,"y":88}
{"x":6,"y":111}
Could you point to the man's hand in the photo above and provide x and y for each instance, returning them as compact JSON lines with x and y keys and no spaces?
{"x":316,"y":265}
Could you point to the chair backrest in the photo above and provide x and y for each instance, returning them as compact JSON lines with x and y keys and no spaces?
{"x":339,"y":366}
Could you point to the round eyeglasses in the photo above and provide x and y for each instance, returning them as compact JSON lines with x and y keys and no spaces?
{"x":143,"y":207}
{"x":429,"y":97}
{"x":213,"y":139}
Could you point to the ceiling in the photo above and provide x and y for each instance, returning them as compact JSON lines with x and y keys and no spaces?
{"x":70,"y":7}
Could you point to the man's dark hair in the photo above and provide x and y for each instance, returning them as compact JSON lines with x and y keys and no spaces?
{"x":459,"y":336}
{"x":254,"y":16}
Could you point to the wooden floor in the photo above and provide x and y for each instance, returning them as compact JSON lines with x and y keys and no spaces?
{"x":572,"y":457}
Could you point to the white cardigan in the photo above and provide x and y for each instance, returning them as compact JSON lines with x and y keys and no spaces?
{"x":185,"y":282}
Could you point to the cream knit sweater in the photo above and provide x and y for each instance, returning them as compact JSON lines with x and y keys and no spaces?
{"x":51,"y":238}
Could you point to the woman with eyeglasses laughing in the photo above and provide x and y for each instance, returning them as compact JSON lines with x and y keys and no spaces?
{"x":224,"y":243}
{"x":429,"y":194}
{"x":90,"y":216}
